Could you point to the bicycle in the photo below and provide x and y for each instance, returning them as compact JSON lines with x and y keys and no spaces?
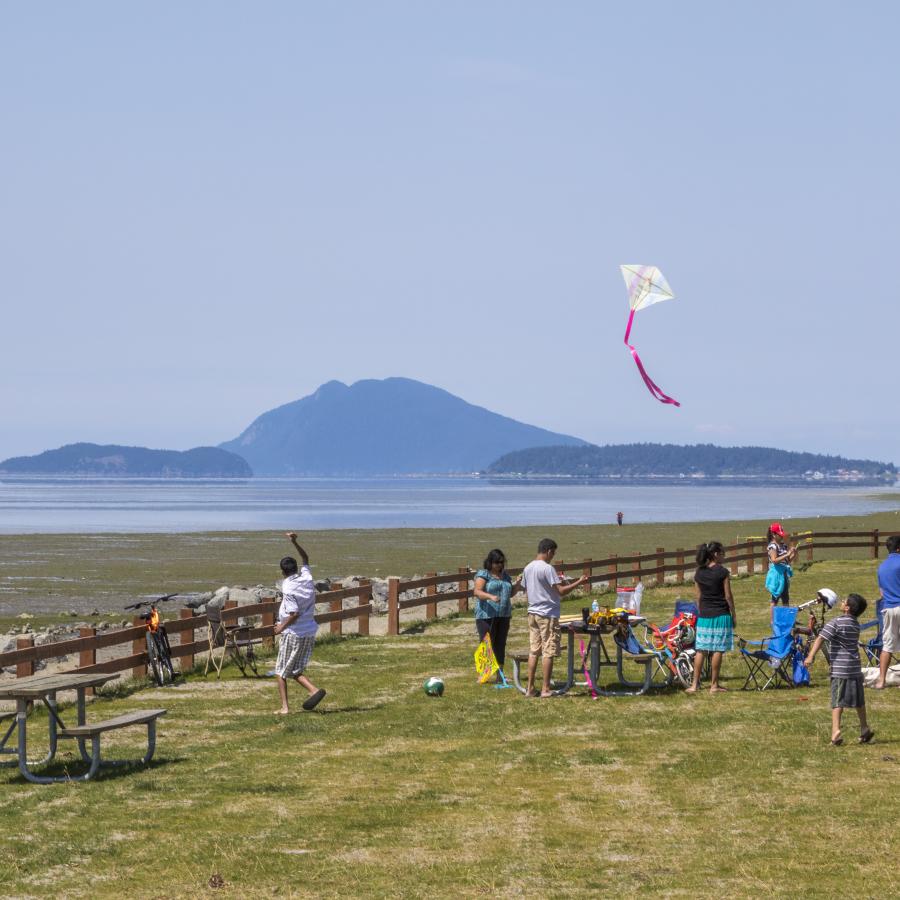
{"x":826,"y":599}
{"x":159,"y":653}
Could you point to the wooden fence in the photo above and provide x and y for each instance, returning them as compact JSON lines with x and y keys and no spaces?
{"x":655,"y":566}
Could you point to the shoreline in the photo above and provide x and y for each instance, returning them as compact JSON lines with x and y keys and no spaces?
{"x":49,"y":575}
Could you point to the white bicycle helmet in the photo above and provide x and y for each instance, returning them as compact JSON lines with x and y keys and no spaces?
{"x":829,"y":596}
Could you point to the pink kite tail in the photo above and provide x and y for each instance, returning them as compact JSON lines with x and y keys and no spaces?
{"x":587,"y":674}
{"x":652,"y":386}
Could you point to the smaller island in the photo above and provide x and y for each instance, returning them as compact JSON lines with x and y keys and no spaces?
{"x":112,"y":460}
{"x":691,"y":464}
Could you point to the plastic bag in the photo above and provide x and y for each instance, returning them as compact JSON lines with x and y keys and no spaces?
{"x":801,"y":673}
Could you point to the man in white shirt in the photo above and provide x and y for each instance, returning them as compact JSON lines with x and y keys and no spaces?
{"x":544,"y":589}
{"x":297,"y":627}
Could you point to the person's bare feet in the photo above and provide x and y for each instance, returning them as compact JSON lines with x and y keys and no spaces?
{"x":530,"y":694}
{"x":545,"y":694}
{"x":717,"y":689}
{"x":281,"y":712}
{"x":690,"y":690}
{"x":836,"y":739}
{"x":878,"y":687}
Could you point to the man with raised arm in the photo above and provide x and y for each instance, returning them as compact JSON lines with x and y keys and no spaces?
{"x":297,"y":627}
{"x":545,"y":589}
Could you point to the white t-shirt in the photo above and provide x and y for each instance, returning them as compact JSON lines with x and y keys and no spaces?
{"x":540,"y":580}
{"x":299,"y":597}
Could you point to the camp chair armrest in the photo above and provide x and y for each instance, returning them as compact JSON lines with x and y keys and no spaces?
{"x":743,"y":642}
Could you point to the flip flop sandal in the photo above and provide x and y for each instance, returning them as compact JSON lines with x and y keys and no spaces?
{"x":837,"y":742}
{"x":313,"y":701}
{"x":867,"y":737}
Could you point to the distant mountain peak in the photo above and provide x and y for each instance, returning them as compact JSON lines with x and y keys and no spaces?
{"x":383,"y":426}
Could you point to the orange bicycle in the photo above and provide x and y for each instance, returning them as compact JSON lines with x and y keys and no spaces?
{"x":159,"y":654}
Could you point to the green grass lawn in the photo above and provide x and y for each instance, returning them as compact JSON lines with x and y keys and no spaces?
{"x":386,"y":792}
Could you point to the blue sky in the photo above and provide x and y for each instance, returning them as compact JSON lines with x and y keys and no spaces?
{"x":209,"y":209}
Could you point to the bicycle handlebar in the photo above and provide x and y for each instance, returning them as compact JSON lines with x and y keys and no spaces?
{"x":811,"y":603}
{"x":142,"y":603}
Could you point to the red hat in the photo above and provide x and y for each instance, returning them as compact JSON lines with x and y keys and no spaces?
{"x":776,"y":528}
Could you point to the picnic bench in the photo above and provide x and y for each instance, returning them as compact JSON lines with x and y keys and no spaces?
{"x":93,"y":731}
{"x":44,"y":688}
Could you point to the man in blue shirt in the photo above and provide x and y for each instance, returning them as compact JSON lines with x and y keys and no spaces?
{"x":889,"y":582}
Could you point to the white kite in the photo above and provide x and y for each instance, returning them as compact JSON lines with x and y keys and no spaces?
{"x":646,"y":286}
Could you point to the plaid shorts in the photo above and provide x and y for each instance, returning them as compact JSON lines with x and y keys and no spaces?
{"x":294,"y":653}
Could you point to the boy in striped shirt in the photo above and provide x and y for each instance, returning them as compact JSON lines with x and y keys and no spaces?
{"x":842,"y":635}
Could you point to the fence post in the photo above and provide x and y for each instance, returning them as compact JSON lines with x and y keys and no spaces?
{"x":393,"y":622}
{"x":679,"y":578}
{"x":660,"y":566}
{"x":365,"y":599}
{"x":138,"y":645}
{"x":875,"y":543}
{"x":463,"y":585}
{"x":613,"y":572}
{"x":268,"y":621}
{"x":187,"y":637}
{"x":751,"y":562}
{"x":87,"y":657}
{"x":26,"y":668}
{"x":431,"y":607}
{"x":589,"y":571}
{"x":809,"y":550}
{"x":336,"y":624}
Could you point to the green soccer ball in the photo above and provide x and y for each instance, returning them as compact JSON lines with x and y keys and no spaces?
{"x":434,"y":687}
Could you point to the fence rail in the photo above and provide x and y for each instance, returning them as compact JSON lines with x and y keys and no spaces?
{"x":657,"y":565}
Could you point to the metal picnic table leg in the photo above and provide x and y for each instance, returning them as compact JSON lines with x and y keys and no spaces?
{"x":570,"y":666}
{"x":21,"y":715}
{"x":6,"y":737}
{"x":82,"y":742}
{"x":643,"y":686}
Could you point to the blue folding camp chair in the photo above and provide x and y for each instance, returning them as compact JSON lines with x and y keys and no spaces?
{"x":871,"y":649}
{"x":770,"y":663}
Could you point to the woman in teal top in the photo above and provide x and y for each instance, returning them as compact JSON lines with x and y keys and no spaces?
{"x":494,"y":590}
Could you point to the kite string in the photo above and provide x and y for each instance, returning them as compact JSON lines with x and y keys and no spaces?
{"x":652,"y":386}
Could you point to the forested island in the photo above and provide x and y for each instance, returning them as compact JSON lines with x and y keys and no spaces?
{"x":698,"y":463}
{"x":112,"y":460}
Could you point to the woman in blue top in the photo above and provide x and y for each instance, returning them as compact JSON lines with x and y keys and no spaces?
{"x":494,"y":590}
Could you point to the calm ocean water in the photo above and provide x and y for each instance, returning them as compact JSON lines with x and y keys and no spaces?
{"x":71,"y":505}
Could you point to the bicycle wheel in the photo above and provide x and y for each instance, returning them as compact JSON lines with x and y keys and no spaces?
{"x":154,"y":666}
{"x":684,"y":667}
{"x":165,"y":654}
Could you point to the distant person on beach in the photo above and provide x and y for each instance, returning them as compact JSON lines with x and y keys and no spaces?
{"x":620,"y":518}
{"x":717,"y":618}
{"x":297,"y":627}
{"x":545,"y":590}
{"x":847,"y":690}
{"x":781,"y":554}
{"x":494,"y":590}
{"x":889,"y":582}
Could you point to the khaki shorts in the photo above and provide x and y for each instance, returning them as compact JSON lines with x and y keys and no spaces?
{"x":543,"y":636}
{"x":891,"y":632}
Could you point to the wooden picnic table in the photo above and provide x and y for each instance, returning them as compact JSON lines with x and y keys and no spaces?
{"x":597,"y":657}
{"x":44,"y":688}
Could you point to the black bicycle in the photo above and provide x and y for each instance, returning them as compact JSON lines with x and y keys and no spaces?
{"x":159,"y":653}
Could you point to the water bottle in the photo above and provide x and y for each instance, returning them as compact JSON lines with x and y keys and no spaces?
{"x":595,"y":606}
{"x":638,"y":596}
